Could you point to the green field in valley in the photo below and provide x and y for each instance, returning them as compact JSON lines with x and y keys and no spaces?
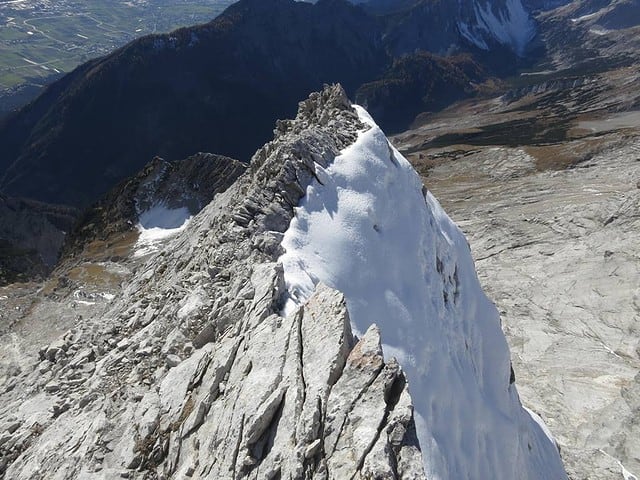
{"x":42,"y":39}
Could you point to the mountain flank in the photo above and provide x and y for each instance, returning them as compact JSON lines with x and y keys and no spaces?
{"x":219,"y":87}
{"x":190,"y":367}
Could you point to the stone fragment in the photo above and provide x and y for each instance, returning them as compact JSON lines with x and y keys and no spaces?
{"x":55,"y":349}
{"x":52,"y":387}
{"x":173,"y":361}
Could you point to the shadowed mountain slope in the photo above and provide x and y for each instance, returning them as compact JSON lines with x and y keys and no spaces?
{"x":216,"y":87}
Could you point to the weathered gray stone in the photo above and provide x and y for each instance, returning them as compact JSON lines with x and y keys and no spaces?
{"x":55,"y":349}
{"x":173,"y":361}
{"x":257,"y":395}
{"x":52,"y":387}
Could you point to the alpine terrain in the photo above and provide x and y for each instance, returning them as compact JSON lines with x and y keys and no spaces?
{"x":296,"y":327}
{"x":544,"y":180}
{"x":193,"y":287}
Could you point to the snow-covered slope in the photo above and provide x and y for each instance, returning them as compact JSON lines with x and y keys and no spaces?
{"x":190,"y":371}
{"x":368,"y":228}
{"x":444,"y":26}
{"x":158,"y":224}
{"x":509,"y":24}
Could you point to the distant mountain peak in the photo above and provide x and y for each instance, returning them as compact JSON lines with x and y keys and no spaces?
{"x":441,"y":25}
{"x":507,"y":23}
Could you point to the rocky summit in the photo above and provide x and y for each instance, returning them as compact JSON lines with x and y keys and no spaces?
{"x":193,"y":372}
{"x":190,"y":369}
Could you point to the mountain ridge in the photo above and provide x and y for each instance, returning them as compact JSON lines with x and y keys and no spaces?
{"x":153,"y":97}
{"x":217,"y":73}
{"x":190,"y":368}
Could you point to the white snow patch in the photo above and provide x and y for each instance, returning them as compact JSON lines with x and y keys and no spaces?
{"x":369,"y":231}
{"x":164,"y":218}
{"x":589,"y":16}
{"x":107,"y":296}
{"x":85,"y":302}
{"x":466,"y":32}
{"x":157,"y":225}
{"x":541,"y":72}
{"x":512,"y":26}
{"x":536,"y":418}
{"x":626,"y":474}
{"x":83,"y":298}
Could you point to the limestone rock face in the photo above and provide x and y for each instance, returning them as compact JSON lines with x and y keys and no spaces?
{"x":192,"y":372}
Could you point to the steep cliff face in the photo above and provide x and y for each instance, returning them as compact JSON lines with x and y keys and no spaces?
{"x":31,"y":235}
{"x":213,"y":363}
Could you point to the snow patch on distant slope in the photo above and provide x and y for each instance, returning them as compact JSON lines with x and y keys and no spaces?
{"x":367,"y":228}
{"x":157,"y":225}
{"x":468,"y":33}
{"x":512,"y":26}
{"x":163,"y":218}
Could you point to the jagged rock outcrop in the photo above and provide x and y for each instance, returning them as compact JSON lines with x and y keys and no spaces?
{"x":193,"y":372}
{"x":185,"y":184}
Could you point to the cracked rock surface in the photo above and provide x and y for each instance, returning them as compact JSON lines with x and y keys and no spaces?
{"x":191,"y":371}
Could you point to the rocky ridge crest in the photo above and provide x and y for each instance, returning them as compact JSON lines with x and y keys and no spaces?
{"x":192,"y":371}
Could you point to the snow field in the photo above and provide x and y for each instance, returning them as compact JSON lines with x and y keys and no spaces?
{"x":158,"y":224}
{"x":367,"y":228}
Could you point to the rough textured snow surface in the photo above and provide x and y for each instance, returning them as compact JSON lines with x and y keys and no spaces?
{"x":367,"y":228}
